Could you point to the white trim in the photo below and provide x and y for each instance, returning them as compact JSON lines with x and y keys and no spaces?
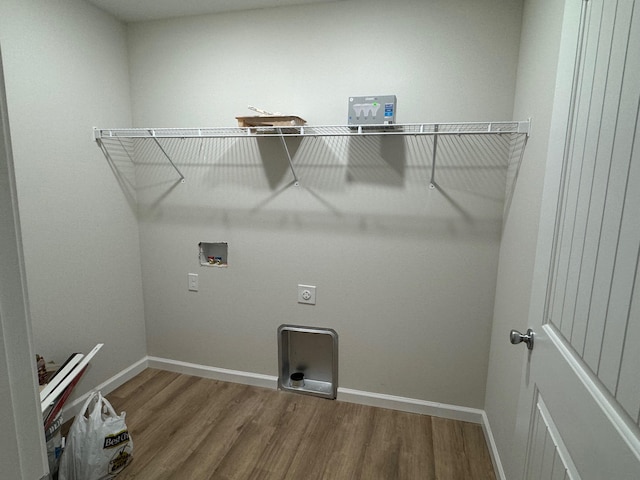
{"x":623,"y":426}
{"x":556,"y":438}
{"x":235,"y":376}
{"x":492,"y":447}
{"x":21,"y":423}
{"x":73,"y":408}
{"x":403,"y":404}
{"x":382,"y":400}
{"x":411,"y":405}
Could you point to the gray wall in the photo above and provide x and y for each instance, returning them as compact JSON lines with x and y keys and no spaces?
{"x":405,"y":275}
{"x":66,"y":70}
{"x":541,"y":27}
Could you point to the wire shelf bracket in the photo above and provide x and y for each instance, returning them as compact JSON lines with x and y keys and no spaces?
{"x":286,"y":150}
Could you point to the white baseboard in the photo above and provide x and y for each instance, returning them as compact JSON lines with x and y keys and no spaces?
{"x":403,"y":404}
{"x":411,"y":405}
{"x":72,"y":409}
{"x":392,"y":402}
{"x":234,"y":376}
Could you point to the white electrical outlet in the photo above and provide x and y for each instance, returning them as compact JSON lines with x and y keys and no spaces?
{"x":307,"y":294}
{"x":193,"y":282}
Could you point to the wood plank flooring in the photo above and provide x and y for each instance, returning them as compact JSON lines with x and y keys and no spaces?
{"x":186,"y":427}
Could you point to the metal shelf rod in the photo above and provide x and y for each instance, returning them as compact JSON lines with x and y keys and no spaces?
{"x":169,"y":158}
{"x":293,"y":171}
{"x":432,"y":183}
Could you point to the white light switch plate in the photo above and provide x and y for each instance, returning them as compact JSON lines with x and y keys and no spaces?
{"x":307,"y":294}
{"x":193,"y":282}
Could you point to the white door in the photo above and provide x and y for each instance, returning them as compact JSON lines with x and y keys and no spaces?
{"x":581,"y":387}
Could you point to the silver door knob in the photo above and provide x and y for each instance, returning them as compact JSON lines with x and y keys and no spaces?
{"x":517,"y":337}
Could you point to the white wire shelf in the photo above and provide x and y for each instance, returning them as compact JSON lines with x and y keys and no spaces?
{"x":461,"y":128}
{"x":408,"y":129}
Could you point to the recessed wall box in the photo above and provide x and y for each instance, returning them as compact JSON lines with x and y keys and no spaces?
{"x":213,"y":254}
{"x":308,"y":360}
{"x":373,"y":110}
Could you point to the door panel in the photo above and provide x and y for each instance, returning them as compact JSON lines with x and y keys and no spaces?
{"x":628,"y":391}
{"x":601,"y":206}
{"x":588,"y":425}
{"x":582,"y":385}
{"x":547,"y":458}
{"x":592,"y":193}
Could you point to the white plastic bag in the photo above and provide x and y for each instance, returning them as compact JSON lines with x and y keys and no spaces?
{"x":98,"y":445}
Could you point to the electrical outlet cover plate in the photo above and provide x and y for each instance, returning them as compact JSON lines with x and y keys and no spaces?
{"x":307,"y":294}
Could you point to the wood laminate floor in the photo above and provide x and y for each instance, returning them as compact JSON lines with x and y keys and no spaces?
{"x":186,"y":427}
